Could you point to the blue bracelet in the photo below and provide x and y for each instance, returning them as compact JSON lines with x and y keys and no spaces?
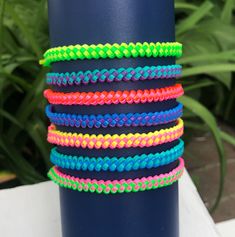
{"x":111,"y":75}
{"x":117,"y":164}
{"x":114,"y":120}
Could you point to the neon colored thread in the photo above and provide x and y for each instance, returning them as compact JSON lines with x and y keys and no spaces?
{"x":116,"y":186}
{"x":114,"y":120}
{"x":114,"y":75}
{"x":117,"y":164}
{"x":123,"y":50}
{"x":115,"y":141}
{"x":114,"y":97}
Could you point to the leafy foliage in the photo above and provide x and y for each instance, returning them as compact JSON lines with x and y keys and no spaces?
{"x":204,"y":27}
{"x":207,"y":32}
{"x":23,"y":38}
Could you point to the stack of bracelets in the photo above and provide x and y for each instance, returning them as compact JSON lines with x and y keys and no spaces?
{"x":162,"y":127}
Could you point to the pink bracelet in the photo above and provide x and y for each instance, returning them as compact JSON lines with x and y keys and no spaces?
{"x":114,"y":97}
{"x":116,"y":186}
{"x":115,"y":141}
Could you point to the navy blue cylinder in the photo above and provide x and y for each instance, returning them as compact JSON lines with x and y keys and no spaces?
{"x":143,"y":214}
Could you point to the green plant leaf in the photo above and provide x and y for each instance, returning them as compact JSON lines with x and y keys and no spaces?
{"x":199,"y":85}
{"x":226,"y":15}
{"x":31,"y":100}
{"x":195,"y":17}
{"x":228,"y":138}
{"x":33,"y":41}
{"x":2,"y":8}
{"x":223,"y":33}
{"x":15,"y":79}
{"x":207,"y":69}
{"x":208,"y":118}
{"x":25,"y":172}
{"x":12,"y":119}
{"x":185,"y":6}
{"x":38,"y":133}
{"x":211,"y":57}
{"x":230,"y":104}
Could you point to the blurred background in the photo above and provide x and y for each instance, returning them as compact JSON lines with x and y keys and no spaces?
{"x":207,"y":31}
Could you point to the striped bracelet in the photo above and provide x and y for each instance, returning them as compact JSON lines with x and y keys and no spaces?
{"x":116,"y":186}
{"x":114,"y":97}
{"x":114,"y":120}
{"x":115,"y":141}
{"x":123,"y":50}
{"x":117,"y":164}
{"x":113,"y":75}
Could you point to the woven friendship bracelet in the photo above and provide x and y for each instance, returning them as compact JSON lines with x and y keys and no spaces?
{"x":114,"y":97}
{"x":114,"y":75}
{"x":114,"y":120}
{"x":115,"y":141}
{"x":117,"y":164}
{"x":116,"y":186}
{"x":123,"y":50}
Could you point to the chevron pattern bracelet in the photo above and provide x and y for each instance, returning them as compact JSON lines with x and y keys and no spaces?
{"x":123,"y":50}
{"x":114,"y":120}
{"x":113,"y":75}
{"x":120,"y":164}
{"x":115,"y":141}
{"x":114,"y":97}
{"x":116,"y":186}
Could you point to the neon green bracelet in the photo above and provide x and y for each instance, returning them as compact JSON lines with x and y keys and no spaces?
{"x":123,"y":50}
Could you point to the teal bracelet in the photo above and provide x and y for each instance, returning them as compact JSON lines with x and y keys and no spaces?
{"x":117,"y":164}
{"x":113,"y":75}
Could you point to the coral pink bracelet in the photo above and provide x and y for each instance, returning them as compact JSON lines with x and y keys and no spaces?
{"x":115,"y":141}
{"x":116,"y":186}
{"x":114,"y":97}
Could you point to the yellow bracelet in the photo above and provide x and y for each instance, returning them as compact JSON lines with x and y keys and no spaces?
{"x":115,"y":141}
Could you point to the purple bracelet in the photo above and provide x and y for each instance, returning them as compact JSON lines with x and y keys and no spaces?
{"x":114,"y":120}
{"x":111,"y":75}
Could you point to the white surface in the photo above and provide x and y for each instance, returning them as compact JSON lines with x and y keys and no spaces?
{"x":227,"y":228}
{"x":30,"y":211}
{"x":33,"y":211}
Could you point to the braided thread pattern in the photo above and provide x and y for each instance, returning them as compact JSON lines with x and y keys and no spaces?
{"x":117,"y":164}
{"x":123,"y":50}
{"x":115,"y":141}
{"x":114,"y":75}
{"x":116,"y":186}
{"x":114,"y":120}
{"x":114,"y":97}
